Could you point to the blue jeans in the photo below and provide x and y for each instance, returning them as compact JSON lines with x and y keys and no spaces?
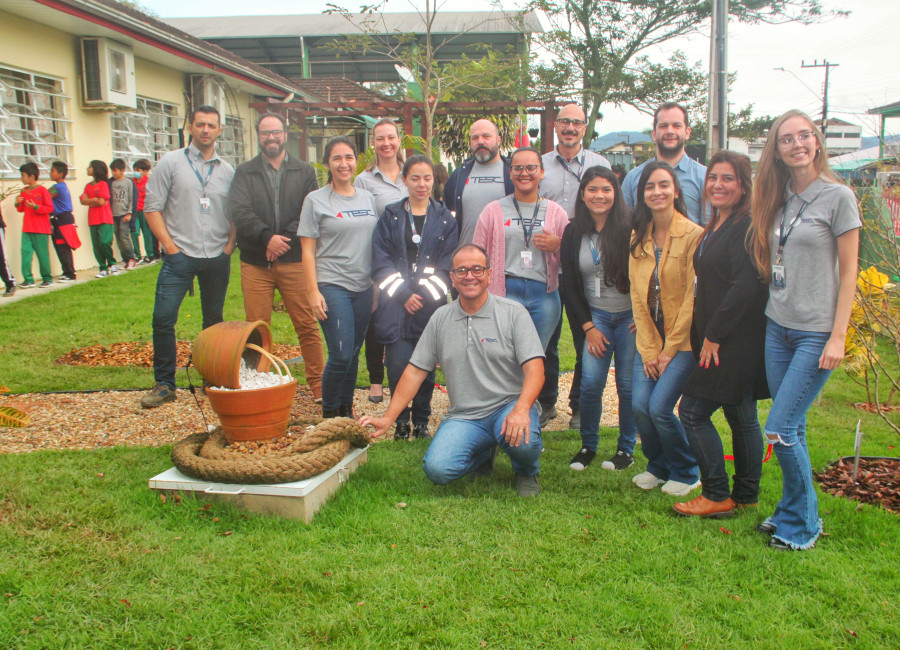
{"x":706,"y":445}
{"x":176,"y":277}
{"x":594,"y":371}
{"x":663,"y":439}
{"x":794,"y":376}
{"x":396,"y":358}
{"x":459,"y":446}
{"x":345,"y":331}
{"x":544,"y":308}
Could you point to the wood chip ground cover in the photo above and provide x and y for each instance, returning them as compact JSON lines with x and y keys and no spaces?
{"x":877,"y":481}
{"x":141,"y":354}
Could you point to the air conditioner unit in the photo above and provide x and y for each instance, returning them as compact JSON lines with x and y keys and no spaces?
{"x":107,"y":73}
{"x":209,"y":91}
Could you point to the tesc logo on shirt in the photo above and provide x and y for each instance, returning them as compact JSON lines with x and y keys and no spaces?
{"x":489,"y":340}
{"x":484,"y":179}
{"x":354,"y":214}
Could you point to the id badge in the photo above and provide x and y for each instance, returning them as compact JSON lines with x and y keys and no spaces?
{"x":525,"y":260}
{"x":778,"y":280}
{"x":597,"y":285}
{"x":205,"y":204}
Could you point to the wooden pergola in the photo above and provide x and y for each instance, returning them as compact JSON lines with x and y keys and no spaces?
{"x":406,"y":110}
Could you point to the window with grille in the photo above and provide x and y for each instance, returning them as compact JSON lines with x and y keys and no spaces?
{"x":230,"y":144}
{"x":34,"y":126}
{"x":149,"y":131}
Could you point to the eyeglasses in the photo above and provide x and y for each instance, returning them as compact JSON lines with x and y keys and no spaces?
{"x":477,"y":271}
{"x":802,"y":138}
{"x":276,"y":132}
{"x":518,"y":170}
{"x":565,"y":121}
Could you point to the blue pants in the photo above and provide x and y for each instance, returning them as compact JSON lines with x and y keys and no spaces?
{"x":459,"y":446}
{"x":794,"y":376}
{"x":544,"y":308}
{"x":396,"y":358}
{"x":663,"y":439}
{"x":345,"y":331}
{"x":175,"y":279}
{"x":706,"y":445}
{"x":594,"y":371}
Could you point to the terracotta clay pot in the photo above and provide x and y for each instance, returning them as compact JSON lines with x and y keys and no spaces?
{"x":218,"y":350}
{"x":253,"y":414}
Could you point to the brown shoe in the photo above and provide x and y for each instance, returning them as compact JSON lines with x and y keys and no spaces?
{"x":703,"y":507}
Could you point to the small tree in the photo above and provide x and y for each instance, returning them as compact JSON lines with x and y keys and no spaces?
{"x":873,"y":338}
{"x":438,"y":79}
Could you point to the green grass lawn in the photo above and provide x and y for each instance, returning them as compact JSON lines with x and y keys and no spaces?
{"x":90,"y":557}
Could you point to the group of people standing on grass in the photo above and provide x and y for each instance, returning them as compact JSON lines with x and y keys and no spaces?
{"x":696,"y":284}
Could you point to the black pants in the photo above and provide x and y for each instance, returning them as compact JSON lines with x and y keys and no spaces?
{"x":6,"y":273}
{"x":374,"y":356}
{"x":64,"y":253}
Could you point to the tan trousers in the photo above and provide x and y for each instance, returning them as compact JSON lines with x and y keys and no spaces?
{"x":258,"y":286}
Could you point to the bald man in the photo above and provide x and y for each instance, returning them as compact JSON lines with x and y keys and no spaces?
{"x":563,"y":168}
{"x":479,"y":180}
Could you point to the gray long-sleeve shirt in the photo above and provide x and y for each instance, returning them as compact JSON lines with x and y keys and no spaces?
{"x":176,"y":190}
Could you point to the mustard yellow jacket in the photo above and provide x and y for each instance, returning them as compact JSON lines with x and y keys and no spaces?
{"x":676,"y":285}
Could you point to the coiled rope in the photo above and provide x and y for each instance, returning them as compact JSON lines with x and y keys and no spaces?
{"x":203,"y":455}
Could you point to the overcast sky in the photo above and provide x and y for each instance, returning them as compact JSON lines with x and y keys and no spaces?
{"x":863,"y":45}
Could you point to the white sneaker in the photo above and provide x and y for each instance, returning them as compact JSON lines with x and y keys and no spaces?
{"x":679,"y":489}
{"x":102,"y":274}
{"x":114,"y":270}
{"x":646,"y":480}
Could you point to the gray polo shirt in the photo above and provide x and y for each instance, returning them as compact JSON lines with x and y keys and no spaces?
{"x":175,"y":191}
{"x":808,"y":301}
{"x":276,"y":178}
{"x":484,"y":185}
{"x":381,"y":187}
{"x":562,"y":178}
{"x":481,"y":355}
{"x":342,"y":227}
{"x":691,"y":176}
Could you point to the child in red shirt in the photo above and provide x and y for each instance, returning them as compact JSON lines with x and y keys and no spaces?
{"x":100,"y":219}
{"x":35,"y":204}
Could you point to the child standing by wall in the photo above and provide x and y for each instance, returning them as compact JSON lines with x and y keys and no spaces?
{"x":137,"y":217}
{"x":100,"y":220}
{"x":35,"y":204}
{"x":65,"y":237}
{"x":122,"y":197}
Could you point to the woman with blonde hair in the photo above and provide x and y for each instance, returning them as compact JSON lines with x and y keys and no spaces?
{"x":382,"y":177}
{"x":805,"y":243}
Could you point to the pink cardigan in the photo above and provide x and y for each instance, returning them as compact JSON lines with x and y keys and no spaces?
{"x":490,"y":235}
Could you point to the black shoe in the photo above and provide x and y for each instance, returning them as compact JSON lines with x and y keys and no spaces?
{"x":9,"y":291}
{"x":620,"y":460}
{"x":487,"y":467}
{"x":346,"y":411}
{"x":778,"y":545}
{"x":331,"y":414}
{"x":766,"y":528}
{"x":420,"y":431}
{"x":582,"y":459}
{"x":402,"y":431}
{"x":548,"y":414}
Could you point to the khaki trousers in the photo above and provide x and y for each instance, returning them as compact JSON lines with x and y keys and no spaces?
{"x":258,"y":286}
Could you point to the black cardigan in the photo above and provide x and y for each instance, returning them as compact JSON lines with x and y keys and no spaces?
{"x":729,"y":309}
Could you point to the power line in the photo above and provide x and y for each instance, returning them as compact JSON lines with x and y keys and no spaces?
{"x":828,"y":66}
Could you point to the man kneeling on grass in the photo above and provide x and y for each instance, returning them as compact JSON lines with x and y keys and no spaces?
{"x":492,"y":358}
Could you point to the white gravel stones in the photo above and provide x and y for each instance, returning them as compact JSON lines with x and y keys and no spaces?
{"x":251,"y":379}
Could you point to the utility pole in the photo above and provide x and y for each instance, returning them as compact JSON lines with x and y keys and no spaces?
{"x":717,"y":135}
{"x":825,"y":64}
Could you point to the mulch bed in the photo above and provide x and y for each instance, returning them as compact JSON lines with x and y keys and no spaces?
{"x":141,"y":354}
{"x":877,"y":481}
